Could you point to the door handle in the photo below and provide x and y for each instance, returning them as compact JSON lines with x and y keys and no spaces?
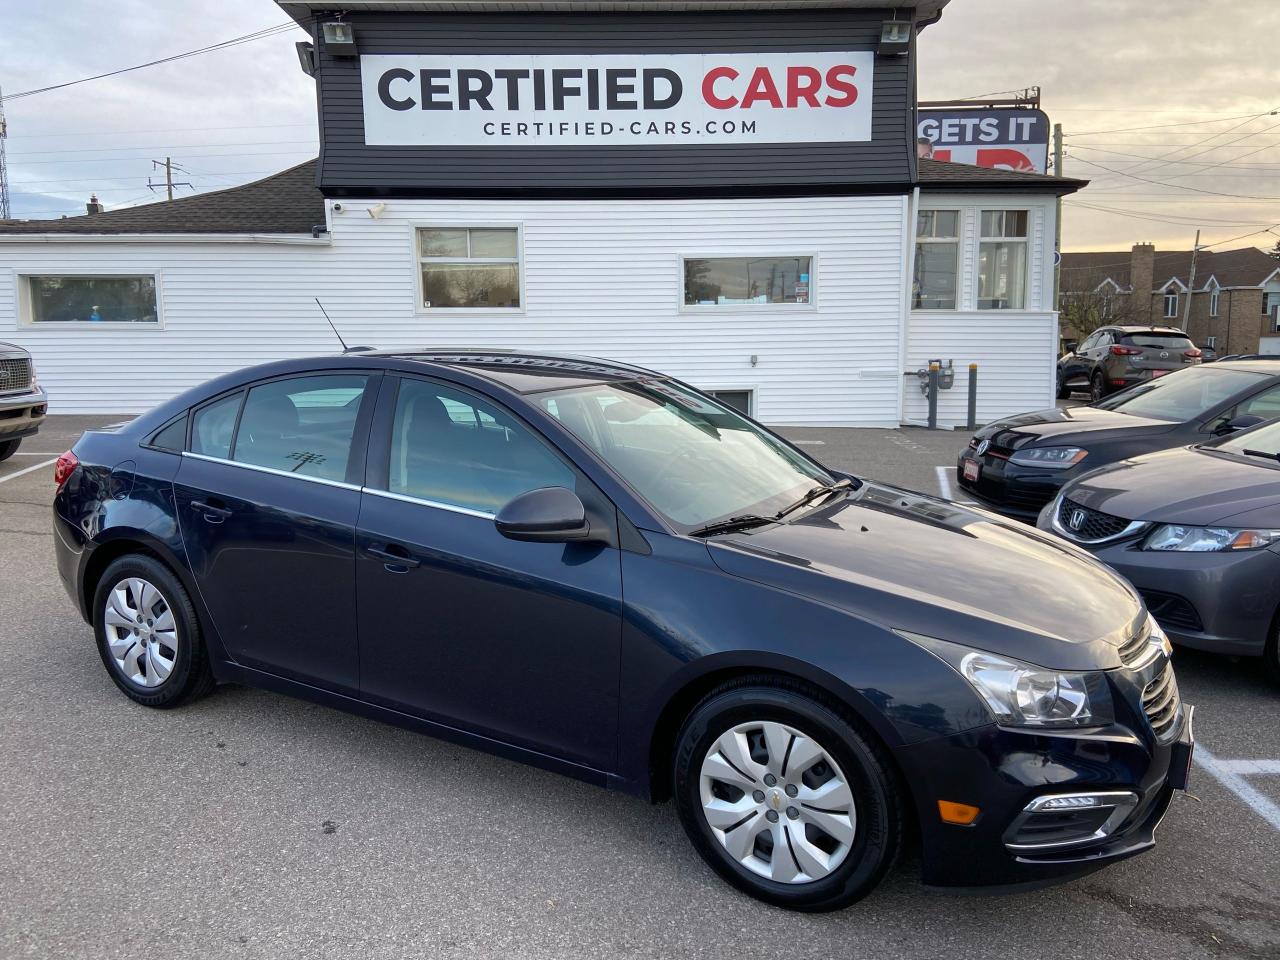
{"x":395,"y":559}
{"x":211,"y":513}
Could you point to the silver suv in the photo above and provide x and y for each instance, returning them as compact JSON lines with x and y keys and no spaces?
{"x":1113,"y":358}
{"x":22,"y":402}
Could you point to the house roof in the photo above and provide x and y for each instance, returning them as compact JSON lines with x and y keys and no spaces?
{"x":945,"y":175}
{"x":925,"y":10}
{"x":283,"y":203}
{"x":1243,"y":267}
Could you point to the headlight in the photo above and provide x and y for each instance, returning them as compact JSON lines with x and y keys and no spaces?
{"x":1174,"y":536}
{"x":1022,"y":694}
{"x":1051,"y":458}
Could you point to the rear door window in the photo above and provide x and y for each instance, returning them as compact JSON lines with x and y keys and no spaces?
{"x":213,"y":426}
{"x":303,"y":425}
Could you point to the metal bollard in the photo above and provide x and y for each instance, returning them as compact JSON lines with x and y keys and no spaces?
{"x":973,"y":396}
{"x":934,"y":370}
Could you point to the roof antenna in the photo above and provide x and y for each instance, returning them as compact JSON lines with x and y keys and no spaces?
{"x":345,"y":348}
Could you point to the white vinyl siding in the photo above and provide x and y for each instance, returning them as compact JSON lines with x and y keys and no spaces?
{"x":600,"y":277}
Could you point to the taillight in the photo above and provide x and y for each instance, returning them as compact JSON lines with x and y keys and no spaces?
{"x":63,"y":469}
{"x":1120,"y":351}
{"x":1192,"y":354}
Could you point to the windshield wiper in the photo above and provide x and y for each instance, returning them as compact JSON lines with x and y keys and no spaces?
{"x":744,"y":522}
{"x":813,"y":495}
{"x":1261,"y":453}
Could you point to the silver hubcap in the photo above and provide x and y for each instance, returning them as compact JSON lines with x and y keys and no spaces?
{"x":778,"y":802}
{"x":141,"y":632}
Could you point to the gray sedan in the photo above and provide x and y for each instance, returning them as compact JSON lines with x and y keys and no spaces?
{"x":1197,"y":531}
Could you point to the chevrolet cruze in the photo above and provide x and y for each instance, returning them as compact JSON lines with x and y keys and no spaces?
{"x":596,"y":569}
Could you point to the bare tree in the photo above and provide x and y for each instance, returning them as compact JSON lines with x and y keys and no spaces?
{"x":1089,"y":302}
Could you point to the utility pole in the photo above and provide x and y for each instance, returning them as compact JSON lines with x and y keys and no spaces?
{"x":1191,"y":284}
{"x":4,"y":170}
{"x":1057,"y":225}
{"x":169,"y":183}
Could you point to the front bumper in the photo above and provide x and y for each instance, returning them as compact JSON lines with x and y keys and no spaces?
{"x":1218,"y":602}
{"x":21,"y":414}
{"x":1006,"y":488}
{"x":1001,"y":771}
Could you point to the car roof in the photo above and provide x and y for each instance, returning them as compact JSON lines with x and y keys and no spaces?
{"x":522,"y":371}
{"x":1141,"y":328}
{"x":1252,"y":366}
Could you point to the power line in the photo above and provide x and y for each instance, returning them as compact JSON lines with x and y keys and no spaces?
{"x":1235,"y":162}
{"x":222,"y":45}
{"x":1178,"y":186}
{"x":266,"y":153}
{"x":1166,"y":126}
{"x":130,"y":133}
{"x":1177,"y":221}
{"x":1213,"y":137}
{"x":166,"y":146}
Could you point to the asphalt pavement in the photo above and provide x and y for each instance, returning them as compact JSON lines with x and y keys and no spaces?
{"x":253,"y":825}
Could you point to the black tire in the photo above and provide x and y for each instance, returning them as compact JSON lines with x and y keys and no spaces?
{"x":1064,"y":391}
{"x":8,"y":448}
{"x":867,"y":768}
{"x":1271,"y":654}
{"x":1097,"y":386}
{"x":190,"y":676}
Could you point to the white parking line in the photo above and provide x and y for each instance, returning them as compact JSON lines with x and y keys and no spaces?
{"x":19,"y":473}
{"x":1248,"y":768}
{"x":810,"y":443}
{"x":944,"y":482}
{"x":35,"y":453}
{"x":1229,"y":774}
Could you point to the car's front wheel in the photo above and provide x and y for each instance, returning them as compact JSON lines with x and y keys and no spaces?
{"x":1064,"y":391}
{"x":785,"y":797}
{"x":148,"y":635}
{"x":8,"y":448}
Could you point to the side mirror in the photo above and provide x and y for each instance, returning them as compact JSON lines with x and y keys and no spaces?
{"x":1236,"y":425}
{"x":545,"y":515}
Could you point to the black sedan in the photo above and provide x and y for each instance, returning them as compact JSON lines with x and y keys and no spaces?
{"x":1197,"y":531}
{"x":1017,"y":465}
{"x":596,"y":569}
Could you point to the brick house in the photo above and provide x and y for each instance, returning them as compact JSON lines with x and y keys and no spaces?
{"x":1235,"y":306}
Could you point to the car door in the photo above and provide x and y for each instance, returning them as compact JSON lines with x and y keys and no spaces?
{"x":267,"y":498}
{"x":1075,"y":365}
{"x":516,"y":641}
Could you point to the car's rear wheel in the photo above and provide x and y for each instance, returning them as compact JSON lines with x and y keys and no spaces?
{"x":8,"y":448}
{"x":785,"y":797}
{"x":148,"y":635}
{"x":1097,"y":386}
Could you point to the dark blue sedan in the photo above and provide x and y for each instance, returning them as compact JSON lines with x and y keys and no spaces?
{"x":599,"y":570}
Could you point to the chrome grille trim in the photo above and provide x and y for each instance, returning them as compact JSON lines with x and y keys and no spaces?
{"x":1062,"y":505}
{"x":15,"y":375}
{"x":1161,"y":703}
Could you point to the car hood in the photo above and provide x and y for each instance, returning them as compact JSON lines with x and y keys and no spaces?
{"x":1059,"y":423}
{"x":1193,"y":485}
{"x":919,"y":564}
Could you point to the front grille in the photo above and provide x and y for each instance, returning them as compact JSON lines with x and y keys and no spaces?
{"x":1134,"y":649}
{"x":15,"y":375}
{"x":1085,"y":524}
{"x":1171,"y":610}
{"x":1160,"y":702}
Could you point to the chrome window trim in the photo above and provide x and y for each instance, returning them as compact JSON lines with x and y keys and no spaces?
{"x":1134,"y":527}
{"x":452,"y":508}
{"x":271,"y":470}
{"x":1123,"y":802}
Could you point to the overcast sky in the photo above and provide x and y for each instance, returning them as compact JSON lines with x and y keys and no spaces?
{"x":1105,"y":66}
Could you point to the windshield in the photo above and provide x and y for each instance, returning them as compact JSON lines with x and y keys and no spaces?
{"x":1263,"y":439}
{"x":691,"y":459}
{"x":1181,"y":396}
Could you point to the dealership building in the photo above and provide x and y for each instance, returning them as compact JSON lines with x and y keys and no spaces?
{"x":726,"y":191}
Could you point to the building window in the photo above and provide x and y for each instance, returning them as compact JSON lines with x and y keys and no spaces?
{"x":1269,"y":302}
{"x":1215,"y":297}
{"x":92,"y":299}
{"x":1170,"y":304}
{"x":472,"y":268}
{"x":747,"y":281}
{"x":937,"y":260}
{"x":1211,"y":343}
{"x":739,"y":400}
{"x":1002,"y":260}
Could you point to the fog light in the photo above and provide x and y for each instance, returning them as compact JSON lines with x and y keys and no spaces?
{"x":1068,"y":820}
{"x":1070,"y":803}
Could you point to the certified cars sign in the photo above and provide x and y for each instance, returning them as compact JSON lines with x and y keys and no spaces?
{"x":616,"y":100}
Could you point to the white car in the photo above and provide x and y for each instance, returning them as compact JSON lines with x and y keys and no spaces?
{"x":22,"y":402}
